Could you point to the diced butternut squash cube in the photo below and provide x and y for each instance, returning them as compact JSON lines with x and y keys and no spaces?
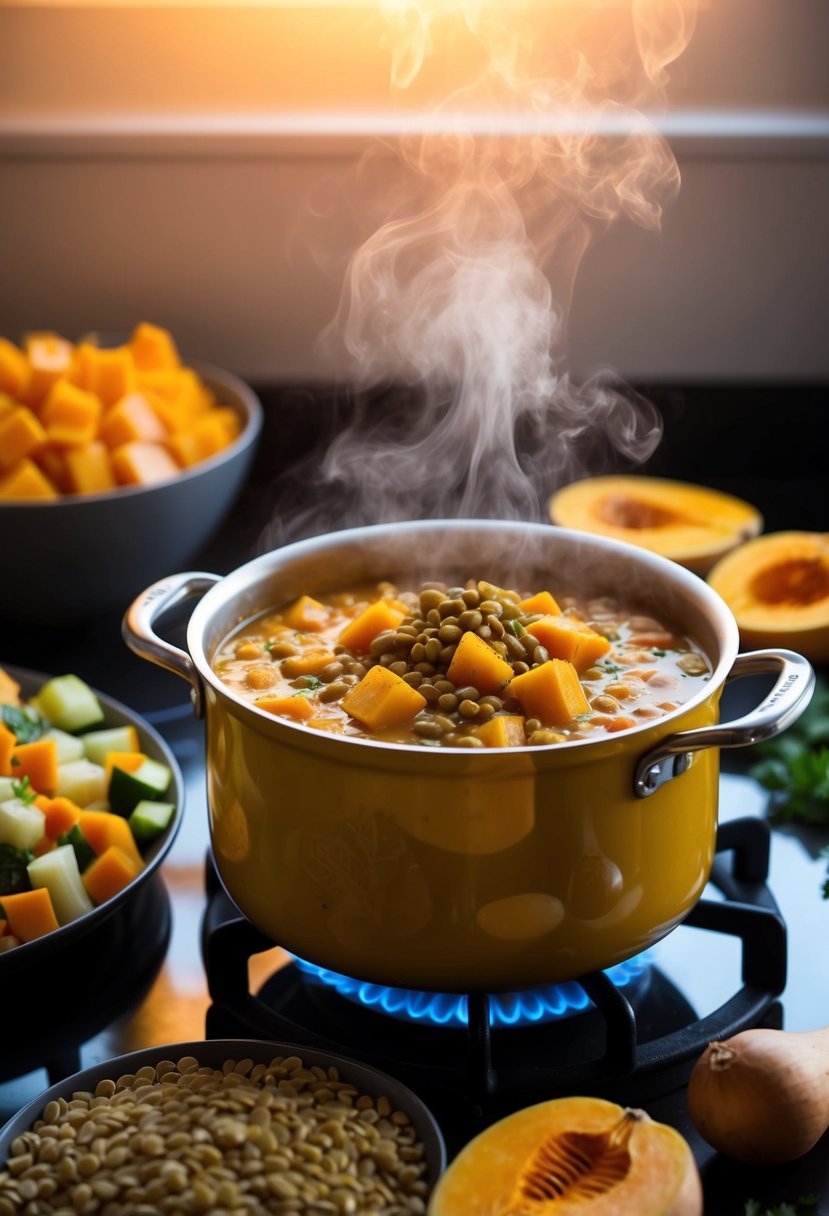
{"x":83,"y":361}
{"x":215,"y":430}
{"x":102,"y":829}
{"x":7,"y":745}
{"x":30,"y":914}
{"x":179,"y":387}
{"x":70,"y":414}
{"x":185,"y":448}
{"x":153,"y":348}
{"x":370,"y":623}
{"x":109,"y":874}
{"x":306,"y":664}
{"x":128,"y":762}
{"x":111,"y":374}
{"x":298,"y":707}
{"x":52,"y":462}
{"x":7,"y":404}
{"x":142,"y":464}
{"x":9,"y":689}
{"x":14,"y":369}
{"x":551,"y":692}
{"x":502,"y":730}
{"x":542,"y":601}
{"x":50,"y":357}
{"x":130,"y":419}
{"x":475,"y":662}
{"x":565,"y":638}
{"x":307,"y":615}
{"x":21,"y":434}
{"x":61,"y":815}
{"x":382,"y":700}
{"x":26,"y":481}
{"x":89,"y":469}
{"x":39,"y":762}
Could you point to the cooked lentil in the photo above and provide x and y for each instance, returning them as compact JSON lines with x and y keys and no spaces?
{"x":181,"y":1138}
{"x":623,"y":687}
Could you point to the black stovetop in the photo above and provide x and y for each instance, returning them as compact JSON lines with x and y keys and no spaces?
{"x":742,"y":439}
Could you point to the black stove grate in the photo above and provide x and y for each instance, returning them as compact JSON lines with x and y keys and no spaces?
{"x":643,"y":1044}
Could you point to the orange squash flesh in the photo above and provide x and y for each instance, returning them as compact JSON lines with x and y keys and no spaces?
{"x":476,"y":663}
{"x":576,"y":1156}
{"x":109,"y":874}
{"x":777,"y":586}
{"x":30,"y":914}
{"x":691,"y":524}
{"x":382,"y":699}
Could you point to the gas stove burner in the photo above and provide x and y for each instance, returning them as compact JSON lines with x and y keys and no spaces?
{"x":629,"y":1043}
{"x":506,"y":1009}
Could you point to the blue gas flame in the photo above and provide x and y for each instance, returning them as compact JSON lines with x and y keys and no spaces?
{"x":535,"y":1005}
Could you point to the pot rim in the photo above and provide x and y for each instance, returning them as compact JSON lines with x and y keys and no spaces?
{"x":709,"y":602}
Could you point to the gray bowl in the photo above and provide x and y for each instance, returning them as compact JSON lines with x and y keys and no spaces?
{"x":75,"y":558}
{"x":213,"y":1053}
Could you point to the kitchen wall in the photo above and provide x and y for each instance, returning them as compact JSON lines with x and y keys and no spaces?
{"x":196,"y":166}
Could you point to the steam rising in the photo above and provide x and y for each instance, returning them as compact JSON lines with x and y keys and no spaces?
{"x":461,"y":292}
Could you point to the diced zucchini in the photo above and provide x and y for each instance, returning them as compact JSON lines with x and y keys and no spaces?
{"x":21,"y":823}
{"x":149,"y":819}
{"x":96,"y":743}
{"x":67,"y":746}
{"x":6,"y":790}
{"x":149,"y":782}
{"x":70,"y":704}
{"x":82,"y":781}
{"x":58,"y":872}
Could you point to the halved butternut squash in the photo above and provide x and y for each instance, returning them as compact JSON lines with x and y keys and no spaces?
{"x":576,"y":1156}
{"x":690,"y":524}
{"x":777,"y":586}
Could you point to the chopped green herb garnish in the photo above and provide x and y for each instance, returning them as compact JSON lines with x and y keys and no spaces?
{"x":660,"y":654}
{"x":15,"y":762}
{"x":311,"y":683}
{"x":799,"y":1208}
{"x":269,"y":645}
{"x":611,"y":668}
{"x":22,"y":789}
{"x":583,"y":717}
{"x":24,"y":721}
{"x":303,"y":692}
{"x":84,"y":853}
{"x":13,"y":874}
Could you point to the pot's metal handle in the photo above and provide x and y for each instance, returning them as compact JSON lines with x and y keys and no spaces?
{"x":139,"y":634}
{"x":784,"y":704}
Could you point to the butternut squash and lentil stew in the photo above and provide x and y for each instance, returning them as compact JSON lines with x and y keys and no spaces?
{"x":461,"y":666}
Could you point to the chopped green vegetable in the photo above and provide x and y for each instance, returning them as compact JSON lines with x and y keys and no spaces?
{"x":24,"y":721}
{"x":13,"y":874}
{"x":126,"y":790}
{"x":795,"y":765}
{"x":149,"y":819}
{"x":84,"y":853}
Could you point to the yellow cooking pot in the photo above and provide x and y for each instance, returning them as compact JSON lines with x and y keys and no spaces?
{"x":445,"y":869}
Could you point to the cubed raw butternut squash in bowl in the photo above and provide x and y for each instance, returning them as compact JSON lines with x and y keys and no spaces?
{"x":117,"y":467}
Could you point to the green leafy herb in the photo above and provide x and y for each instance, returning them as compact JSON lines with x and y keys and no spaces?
{"x":311,"y":683}
{"x":84,"y":853}
{"x":660,"y":654}
{"x":611,"y":668}
{"x":795,"y":765}
{"x":804,"y":1204}
{"x":22,"y":789}
{"x":269,"y":645}
{"x":13,"y":874}
{"x":24,"y":721}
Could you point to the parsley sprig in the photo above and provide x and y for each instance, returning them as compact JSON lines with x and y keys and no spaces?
{"x":805,"y":1204}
